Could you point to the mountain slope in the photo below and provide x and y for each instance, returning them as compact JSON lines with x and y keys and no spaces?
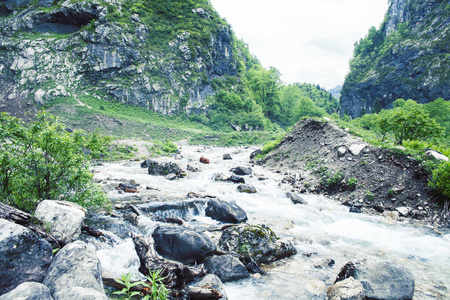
{"x":408,"y":57}
{"x":163,"y":56}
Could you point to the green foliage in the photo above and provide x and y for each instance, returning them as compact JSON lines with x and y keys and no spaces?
{"x":334,"y":179}
{"x":370,"y":196}
{"x":440,"y":181}
{"x":163,"y":148}
{"x":352,"y":182}
{"x":43,"y":161}
{"x":270,"y":145}
{"x":126,"y":291}
{"x":158,"y":289}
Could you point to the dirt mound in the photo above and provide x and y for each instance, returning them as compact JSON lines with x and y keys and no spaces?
{"x":319,"y":157}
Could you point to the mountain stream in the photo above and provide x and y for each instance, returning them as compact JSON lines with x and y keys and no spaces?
{"x":320,"y":229}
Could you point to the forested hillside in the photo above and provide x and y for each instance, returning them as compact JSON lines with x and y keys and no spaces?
{"x":407,"y":57}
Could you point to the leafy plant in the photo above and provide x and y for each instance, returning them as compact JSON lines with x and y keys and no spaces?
{"x":440,"y":181}
{"x":370,"y":195}
{"x":352,"y":182}
{"x":126,"y":281}
{"x":334,"y":179}
{"x":158,"y":289}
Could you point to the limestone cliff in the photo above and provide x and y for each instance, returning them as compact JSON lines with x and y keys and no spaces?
{"x":408,"y":57}
{"x":163,"y":56}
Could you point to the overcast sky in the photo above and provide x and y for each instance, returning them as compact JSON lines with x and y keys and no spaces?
{"x":306,"y":40}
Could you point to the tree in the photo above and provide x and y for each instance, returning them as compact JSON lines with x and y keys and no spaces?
{"x":265,"y":85}
{"x":43,"y":161}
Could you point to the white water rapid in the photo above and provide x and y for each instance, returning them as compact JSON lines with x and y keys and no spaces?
{"x":321,"y":229}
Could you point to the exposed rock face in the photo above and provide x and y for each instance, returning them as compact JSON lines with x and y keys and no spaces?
{"x":108,"y":55}
{"x":23,"y":256}
{"x":75,"y":273}
{"x":182,"y":244}
{"x":416,"y":67}
{"x":28,"y":291}
{"x":226,"y":267}
{"x":258,"y":241}
{"x":64,"y":219}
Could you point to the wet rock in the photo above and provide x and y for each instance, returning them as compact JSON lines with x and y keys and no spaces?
{"x":295,"y":198}
{"x":214,"y":282}
{"x":128,"y":187}
{"x":191,"y":168}
{"x":172,"y":176}
{"x":255,"y":153}
{"x":182,"y":244}
{"x":23,"y":256}
{"x":227,"y":212}
{"x":324,"y":263}
{"x":246,"y":188}
{"x":162,"y":169}
{"x":28,"y":291}
{"x":348,"y":289}
{"x":242,"y":170}
{"x":64,"y":219}
{"x":227,"y":157}
{"x":259,"y":241}
{"x":226,"y":267}
{"x":204,"y":160}
{"x":75,"y":272}
{"x":194,"y":195}
{"x":403,"y":210}
{"x":220,"y":177}
{"x":176,"y":209}
{"x":236,"y":179}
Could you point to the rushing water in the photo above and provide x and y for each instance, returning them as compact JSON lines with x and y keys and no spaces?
{"x":321,"y":229}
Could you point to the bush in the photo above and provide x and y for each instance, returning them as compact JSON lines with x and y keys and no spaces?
{"x":440,"y":181}
{"x":352,"y":182}
{"x":44,"y":161}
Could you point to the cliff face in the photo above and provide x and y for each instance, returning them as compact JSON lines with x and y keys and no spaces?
{"x":408,"y":57}
{"x":49,"y":50}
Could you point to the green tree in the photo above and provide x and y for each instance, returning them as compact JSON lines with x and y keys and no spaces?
{"x":264,"y":85}
{"x":43,"y":161}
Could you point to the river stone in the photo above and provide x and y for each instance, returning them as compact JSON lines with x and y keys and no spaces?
{"x":23,"y":256}
{"x":227,"y":156}
{"x":220,"y":177}
{"x":385,"y":280}
{"x":182,"y":244}
{"x":403,"y":210}
{"x":255,"y":153}
{"x":211,"y":280}
{"x":236,"y":179}
{"x":258,"y":241}
{"x":246,"y":188}
{"x":348,"y":289}
{"x":295,"y":198}
{"x":28,"y":291}
{"x":355,"y":149}
{"x":341,"y":151}
{"x":162,"y":169}
{"x":226,"y":267}
{"x":242,"y":170}
{"x":75,"y":271}
{"x":178,"y":209}
{"x":64,"y":219}
{"x":228,"y":212}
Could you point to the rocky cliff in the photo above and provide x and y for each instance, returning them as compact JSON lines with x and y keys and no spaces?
{"x":408,"y":57}
{"x":164,"y":57}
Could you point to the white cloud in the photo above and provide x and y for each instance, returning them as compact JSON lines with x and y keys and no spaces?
{"x":306,"y":40}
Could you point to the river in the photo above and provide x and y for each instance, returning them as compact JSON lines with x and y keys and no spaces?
{"x":321,"y":229}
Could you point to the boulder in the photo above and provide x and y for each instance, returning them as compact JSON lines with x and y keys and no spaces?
{"x":246,"y":188}
{"x":384,"y":280}
{"x":236,"y":179}
{"x":182,"y":244}
{"x":204,"y":160}
{"x":348,"y":289}
{"x":191,"y":168}
{"x":226,"y":267}
{"x":178,"y":209}
{"x":28,"y":291}
{"x":220,"y":177}
{"x":324,"y":263}
{"x":23,"y":256}
{"x":163,"y":168}
{"x":260,"y":242}
{"x":436,"y":155}
{"x":64,"y":219}
{"x":403,"y":210}
{"x":241,"y":170}
{"x":211,"y":281}
{"x":255,"y":153}
{"x":295,"y":198}
{"x":225,"y":211}
{"x":341,"y":151}
{"x":75,"y":273}
{"x":355,"y":149}
{"x":227,"y":156}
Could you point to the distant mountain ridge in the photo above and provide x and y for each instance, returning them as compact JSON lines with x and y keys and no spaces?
{"x":408,"y":57}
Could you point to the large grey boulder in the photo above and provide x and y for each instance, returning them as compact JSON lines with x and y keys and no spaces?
{"x":211,"y":281}
{"x":182,"y":244}
{"x":385,"y":280}
{"x":228,"y":212}
{"x":75,"y":273}
{"x":260,"y":242}
{"x":23,"y":256}
{"x":242,"y":170}
{"x":246,"y":188}
{"x":348,"y":289}
{"x":28,"y":291}
{"x":161,"y":168}
{"x":295,"y":198}
{"x":226,"y":267}
{"x":63,"y":219}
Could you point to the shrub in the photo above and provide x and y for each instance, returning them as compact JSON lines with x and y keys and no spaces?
{"x":352,"y":182}
{"x":334,"y":179}
{"x":440,"y":181}
{"x":44,"y":161}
